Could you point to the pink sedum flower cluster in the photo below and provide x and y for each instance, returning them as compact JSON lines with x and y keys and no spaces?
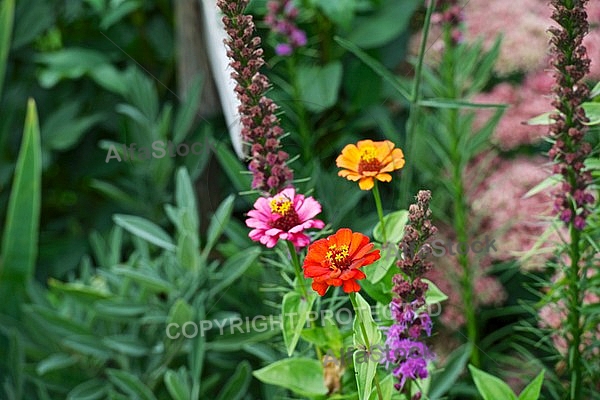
{"x":284,"y":216}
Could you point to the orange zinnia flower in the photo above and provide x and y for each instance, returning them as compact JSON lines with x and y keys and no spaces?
{"x":335,"y":261}
{"x":367,"y":159}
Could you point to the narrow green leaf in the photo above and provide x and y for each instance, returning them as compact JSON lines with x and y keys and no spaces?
{"x":217,"y":225}
{"x":303,"y":376}
{"x":55,"y":362}
{"x":177,"y":385}
{"x":144,"y":277}
{"x":237,"y":385}
{"x":20,"y":238}
{"x":187,"y":112}
{"x":490,"y":387}
{"x":375,"y":65}
{"x":542,"y":119}
{"x":443,"y":380}
{"x":129,"y":345}
{"x":7,"y":16}
{"x":457,"y":104}
{"x":545,"y":184}
{"x":145,"y":229}
{"x":232,"y":167}
{"x":87,"y":345}
{"x":532,"y":391}
{"x":130,"y":384}
{"x":295,"y":311}
{"x":233,"y":268}
{"x":89,"y":390}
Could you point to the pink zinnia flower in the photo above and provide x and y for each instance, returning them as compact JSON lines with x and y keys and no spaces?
{"x":284,"y":216}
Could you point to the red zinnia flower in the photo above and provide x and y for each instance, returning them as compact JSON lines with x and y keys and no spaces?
{"x":335,"y":261}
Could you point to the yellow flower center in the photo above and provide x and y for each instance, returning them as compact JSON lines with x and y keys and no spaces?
{"x":280,"y":205}
{"x":288,"y":218}
{"x":337,"y":256}
{"x":369,"y":161}
{"x":368,"y":154}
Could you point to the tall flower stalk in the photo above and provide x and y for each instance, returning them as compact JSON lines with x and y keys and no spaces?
{"x":261,"y":130}
{"x":408,"y":352}
{"x":571,"y":64}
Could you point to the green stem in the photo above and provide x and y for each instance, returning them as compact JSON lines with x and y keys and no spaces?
{"x":411,"y":123}
{"x":379,"y":207}
{"x":298,"y":269}
{"x":574,"y":302}
{"x":366,"y":339}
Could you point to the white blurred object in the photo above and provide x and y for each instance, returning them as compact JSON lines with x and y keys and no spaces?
{"x":217,"y":53}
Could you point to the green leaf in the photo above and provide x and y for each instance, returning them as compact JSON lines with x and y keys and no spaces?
{"x":434,"y":295}
{"x":490,"y":387}
{"x":545,"y":184}
{"x":379,"y":269}
{"x":363,"y":313}
{"x":118,"y":309}
{"x":458,"y":104}
{"x":443,"y":380}
{"x":233,"y":268}
{"x":340,"y":11}
{"x":128,"y":345}
{"x":237,"y":385}
{"x":595,"y":91}
{"x":115,"y":14}
{"x":366,"y":369}
{"x":542,"y":119}
{"x":89,"y":390}
{"x":319,"y":85}
{"x":303,"y":376}
{"x":376,"y":66}
{"x":177,"y":384}
{"x":63,"y":129}
{"x":217,"y":225}
{"x":592,"y":112}
{"x":20,"y":238}
{"x":233,"y":167}
{"x":144,"y":277}
{"x":55,"y":362}
{"x":387,"y":388}
{"x":7,"y":16}
{"x":130,"y":384}
{"x":295,"y":311}
{"x":145,"y":229}
{"x":87,"y":345}
{"x":532,"y":391}
{"x":79,"y":291}
{"x":394,"y":227}
{"x":186,"y":114}
{"x":384,"y":25}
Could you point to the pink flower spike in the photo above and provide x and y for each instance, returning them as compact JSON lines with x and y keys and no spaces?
{"x":284,"y":216}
